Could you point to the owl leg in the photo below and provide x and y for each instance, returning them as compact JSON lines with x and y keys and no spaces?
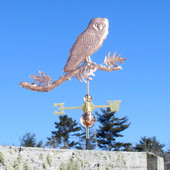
{"x":88,"y":61}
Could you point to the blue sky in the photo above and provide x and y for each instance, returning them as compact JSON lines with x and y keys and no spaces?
{"x":37,"y":35}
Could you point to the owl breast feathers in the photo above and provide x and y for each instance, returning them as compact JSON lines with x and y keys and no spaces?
{"x":87,"y":42}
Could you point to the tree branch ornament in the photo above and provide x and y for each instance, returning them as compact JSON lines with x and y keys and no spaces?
{"x":42,"y":79}
{"x":86,"y":44}
{"x":82,"y":73}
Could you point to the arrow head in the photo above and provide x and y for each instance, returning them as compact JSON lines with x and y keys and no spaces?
{"x":114,"y":105}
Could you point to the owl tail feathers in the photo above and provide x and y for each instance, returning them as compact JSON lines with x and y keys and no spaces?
{"x":67,"y":69}
{"x":70,"y":65}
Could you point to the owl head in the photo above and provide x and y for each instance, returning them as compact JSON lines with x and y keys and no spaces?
{"x":100,"y":25}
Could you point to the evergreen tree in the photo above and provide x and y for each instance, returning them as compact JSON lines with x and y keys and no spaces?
{"x":109,"y":130}
{"x":64,"y":131}
{"x":29,"y":140}
{"x":150,"y":145}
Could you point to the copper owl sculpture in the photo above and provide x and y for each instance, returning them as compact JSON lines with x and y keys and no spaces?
{"x":87,"y":43}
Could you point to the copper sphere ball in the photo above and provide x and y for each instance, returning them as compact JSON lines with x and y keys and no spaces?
{"x":87,"y":119}
{"x":87,"y":98}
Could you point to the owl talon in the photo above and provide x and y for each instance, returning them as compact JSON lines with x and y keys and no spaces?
{"x":85,"y":72}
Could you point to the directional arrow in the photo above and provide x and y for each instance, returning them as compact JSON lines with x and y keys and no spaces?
{"x":88,"y":107}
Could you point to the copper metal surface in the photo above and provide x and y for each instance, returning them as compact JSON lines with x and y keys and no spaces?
{"x":86,"y":44}
{"x":87,"y":119}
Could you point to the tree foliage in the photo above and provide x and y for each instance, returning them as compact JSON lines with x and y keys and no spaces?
{"x":110,"y":129}
{"x":150,"y":144}
{"x":29,"y":140}
{"x":65,"y":129}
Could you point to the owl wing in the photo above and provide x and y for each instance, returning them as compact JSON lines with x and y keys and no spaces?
{"x":85,"y":45}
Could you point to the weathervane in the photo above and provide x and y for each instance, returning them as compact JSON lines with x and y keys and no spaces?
{"x":86,"y":44}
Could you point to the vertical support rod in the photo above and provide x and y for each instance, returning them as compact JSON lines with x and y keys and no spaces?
{"x":87,"y":138}
{"x":87,"y":86}
{"x":87,"y":128}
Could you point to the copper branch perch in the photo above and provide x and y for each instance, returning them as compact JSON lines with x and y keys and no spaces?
{"x":81,"y":72}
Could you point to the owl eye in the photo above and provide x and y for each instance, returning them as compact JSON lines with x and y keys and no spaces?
{"x":103,"y":25}
{"x":95,"y":25}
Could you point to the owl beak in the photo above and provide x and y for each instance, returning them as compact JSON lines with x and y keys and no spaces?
{"x":100,"y":27}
